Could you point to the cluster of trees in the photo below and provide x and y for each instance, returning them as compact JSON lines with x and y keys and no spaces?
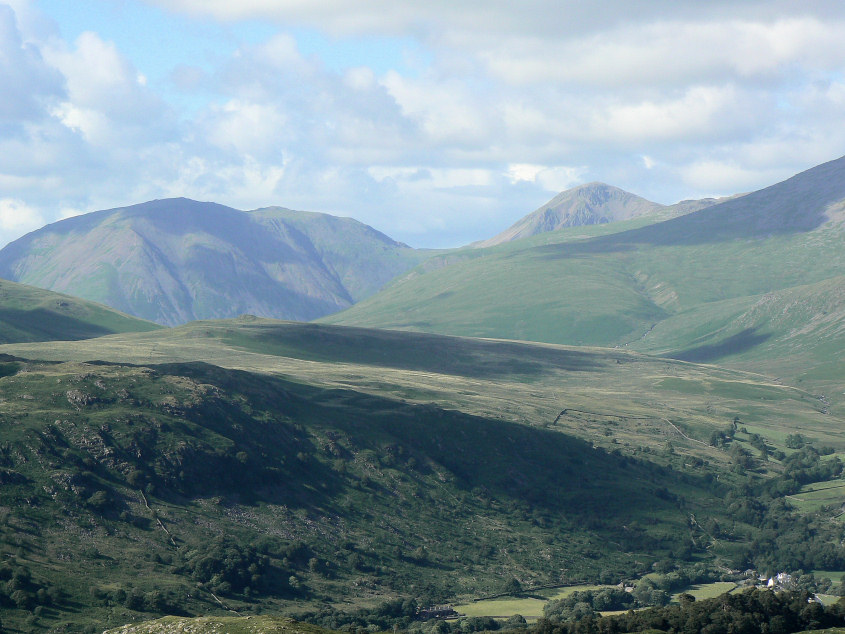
{"x":401,"y":614}
{"x":583,"y":604}
{"x":653,"y":590}
{"x":18,"y":589}
{"x":154,"y":601}
{"x":225,"y":566}
{"x":804,"y":467}
{"x":750,"y":612}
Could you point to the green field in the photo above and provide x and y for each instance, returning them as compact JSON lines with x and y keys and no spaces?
{"x":532,"y":603}
{"x":813,"y":497}
{"x":529,"y":605}
{"x":707,"y":590}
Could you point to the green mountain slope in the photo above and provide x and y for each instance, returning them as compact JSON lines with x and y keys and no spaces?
{"x":172,"y":261}
{"x":33,"y":314}
{"x":396,"y":464}
{"x":156,"y":489}
{"x":797,"y":331}
{"x":649,"y":287}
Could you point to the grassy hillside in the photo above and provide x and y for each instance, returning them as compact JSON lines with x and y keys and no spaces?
{"x":513,"y":381}
{"x":33,"y":314}
{"x":132,"y":490}
{"x":682,"y":287}
{"x":801,"y":327}
{"x":394,"y":465}
{"x":564,"y":293}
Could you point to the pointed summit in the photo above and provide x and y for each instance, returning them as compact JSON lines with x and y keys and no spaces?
{"x":590,"y":204}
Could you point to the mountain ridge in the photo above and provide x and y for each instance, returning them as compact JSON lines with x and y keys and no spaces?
{"x":617,"y":286}
{"x":175,"y":260}
{"x":591,"y":204}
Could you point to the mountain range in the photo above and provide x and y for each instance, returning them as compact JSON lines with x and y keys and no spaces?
{"x":591,"y":204}
{"x":734,"y":280}
{"x":172,"y":261}
{"x":345,"y":473}
{"x":702,"y":279}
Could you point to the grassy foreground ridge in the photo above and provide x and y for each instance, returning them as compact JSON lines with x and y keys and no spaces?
{"x":185,"y":471}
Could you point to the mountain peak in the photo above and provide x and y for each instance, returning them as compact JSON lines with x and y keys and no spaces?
{"x":588,"y":204}
{"x":174,"y":260}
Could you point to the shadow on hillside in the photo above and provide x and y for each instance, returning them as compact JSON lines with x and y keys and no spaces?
{"x":410,"y":351}
{"x":735,"y":344}
{"x":492,"y":459}
{"x":47,"y":325}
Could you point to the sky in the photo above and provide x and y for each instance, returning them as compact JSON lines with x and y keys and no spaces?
{"x":438,"y":122}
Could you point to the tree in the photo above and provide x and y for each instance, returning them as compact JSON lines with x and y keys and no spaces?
{"x":515,"y":622}
{"x":512,"y":587}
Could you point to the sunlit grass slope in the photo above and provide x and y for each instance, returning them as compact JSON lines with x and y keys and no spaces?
{"x":612,"y":396}
{"x":33,"y":314}
{"x":752,"y":281}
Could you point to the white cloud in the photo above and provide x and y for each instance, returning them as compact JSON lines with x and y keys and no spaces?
{"x":360,"y":78}
{"x":726,"y":176}
{"x":250,"y":129}
{"x":523,"y":172}
{"x":17,"y":218}
{"x":550,"y":178}
{"x":557,"y":179}
{"x":702,"y":112}
{"x":513,"y":102}
{"x":28,"y":85}
{"x":665,"y":53}
{"x":100,"y":80}
{"x":448,"y":112}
